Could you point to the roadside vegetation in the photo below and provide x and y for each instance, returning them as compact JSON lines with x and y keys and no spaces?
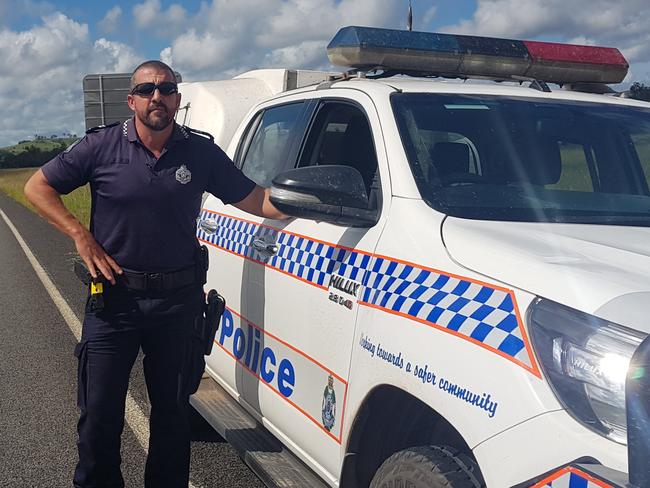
{"x":12,"y":182}
{"x":33,"y":153}
{"x":640,"y":91}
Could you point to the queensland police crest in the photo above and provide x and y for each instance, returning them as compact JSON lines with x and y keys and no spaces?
{"x":183,"y":175}
{"x":329,"y":405}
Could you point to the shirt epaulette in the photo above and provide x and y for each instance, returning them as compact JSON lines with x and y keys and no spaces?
{"x":100,"y":127}
{"x":200,"y":133}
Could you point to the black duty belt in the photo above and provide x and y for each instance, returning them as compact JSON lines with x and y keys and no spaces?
{"x":159,"y":281}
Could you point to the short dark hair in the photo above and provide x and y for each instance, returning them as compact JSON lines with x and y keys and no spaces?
{"x":152,"y":63}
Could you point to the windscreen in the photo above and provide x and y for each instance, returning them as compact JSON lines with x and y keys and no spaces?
{"x":525,"y":159}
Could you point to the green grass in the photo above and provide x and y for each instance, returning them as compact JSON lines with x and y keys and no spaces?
{"x":642,"y":143}
{"x":575,"y":171}
{"x":41,"y":145}
{"x":12,"y":182}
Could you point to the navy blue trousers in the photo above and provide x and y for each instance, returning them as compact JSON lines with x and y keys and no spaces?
{"x":160,"y":324}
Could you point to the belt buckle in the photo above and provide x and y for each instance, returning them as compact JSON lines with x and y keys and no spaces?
{"x":153,"y":281}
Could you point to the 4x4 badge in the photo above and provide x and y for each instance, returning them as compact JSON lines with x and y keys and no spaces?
{"x":183,"y":175}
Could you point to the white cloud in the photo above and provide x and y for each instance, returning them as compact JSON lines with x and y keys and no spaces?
{"x":205,"y":49}
{"x":42,"y":71}
{"x":111,"y":20}
{"x":145,"y":13}
{"x":113,"y":57}
{"x":427,"y":18}
{"x":623,"y":25}
{"x":227,"y":37}
{"x":618,"y":24}
{"x":58,"y":42}
{"x":308,"y":53}
{"x":162,"y":23}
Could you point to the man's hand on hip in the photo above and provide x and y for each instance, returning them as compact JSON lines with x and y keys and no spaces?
{"x":49,"y":204}
{"x":95,"y":257}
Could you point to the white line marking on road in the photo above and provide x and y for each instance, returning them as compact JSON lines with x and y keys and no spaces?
{"x":135,"y":417}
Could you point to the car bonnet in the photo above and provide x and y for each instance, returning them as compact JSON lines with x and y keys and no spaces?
{"x":599,"y":269}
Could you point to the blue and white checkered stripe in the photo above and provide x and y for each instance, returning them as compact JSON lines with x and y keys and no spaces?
{"x":316,"y":261}
{"x":572,"y":480}
{"x":235,"y":235}
{"x":484,"y":314}
{"x":304,"y":258}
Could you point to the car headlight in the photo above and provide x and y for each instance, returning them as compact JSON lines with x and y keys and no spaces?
{"x":585,"y":359}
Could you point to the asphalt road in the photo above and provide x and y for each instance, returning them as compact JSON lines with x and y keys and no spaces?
{"x":38,"y":412}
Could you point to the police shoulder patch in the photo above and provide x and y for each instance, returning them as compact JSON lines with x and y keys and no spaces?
{"x":207,"y":135}
{"x":100,"y":127}
{"x":71,"y":146}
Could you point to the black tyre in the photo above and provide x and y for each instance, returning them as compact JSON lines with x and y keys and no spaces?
{"x":428,"y":467}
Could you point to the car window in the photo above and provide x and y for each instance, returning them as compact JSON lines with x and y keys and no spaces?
{"x":442,"y":154}
{"x":641,"y":141}
{"x":341,"y":135}
{"x":527,"y":159}
{"x":266,"y":154}
{"x":579,"y":172}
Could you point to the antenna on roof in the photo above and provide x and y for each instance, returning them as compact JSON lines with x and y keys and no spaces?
{"x":409,"y":19}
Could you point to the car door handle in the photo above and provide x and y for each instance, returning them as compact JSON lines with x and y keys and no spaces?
{"x":264,"y":247}
{"x":209,"y":226}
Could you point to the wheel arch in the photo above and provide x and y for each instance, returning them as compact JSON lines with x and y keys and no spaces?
{"x":389,"y":420}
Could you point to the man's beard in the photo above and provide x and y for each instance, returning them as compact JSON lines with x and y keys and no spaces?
{"x":159,"y":122}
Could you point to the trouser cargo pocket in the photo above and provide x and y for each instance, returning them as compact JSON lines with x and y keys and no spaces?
{"x":80,"y":351}
{"x":194,"y":364}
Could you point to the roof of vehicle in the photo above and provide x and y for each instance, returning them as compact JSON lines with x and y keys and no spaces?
{"x":380,"y":87}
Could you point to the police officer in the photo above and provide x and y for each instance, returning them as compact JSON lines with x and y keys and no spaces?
{"x":146,"y":177}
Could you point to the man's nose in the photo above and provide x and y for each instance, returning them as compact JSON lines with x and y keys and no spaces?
{"x":156,"y":95}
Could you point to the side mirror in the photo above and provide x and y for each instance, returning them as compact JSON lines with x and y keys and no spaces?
{"x":335,"y":194}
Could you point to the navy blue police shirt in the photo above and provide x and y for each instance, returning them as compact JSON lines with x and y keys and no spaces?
{"x":144,"y":209}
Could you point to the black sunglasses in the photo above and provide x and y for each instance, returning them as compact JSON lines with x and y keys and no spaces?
{"x":147,"y":89}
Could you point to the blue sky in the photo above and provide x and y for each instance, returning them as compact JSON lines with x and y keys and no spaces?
{"x":48,"y":46}
{"x":91,"y":13}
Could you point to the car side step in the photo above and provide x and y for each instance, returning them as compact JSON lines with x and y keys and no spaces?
{"x":273,"y":463}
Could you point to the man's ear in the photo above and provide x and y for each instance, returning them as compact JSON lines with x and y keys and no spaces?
{"x":131,"y":102}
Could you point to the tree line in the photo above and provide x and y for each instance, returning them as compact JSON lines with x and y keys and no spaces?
{"x":640,"y":91}
{"x":32,"y":155}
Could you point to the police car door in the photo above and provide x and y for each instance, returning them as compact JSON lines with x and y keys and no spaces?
{"x":228,"y":233}
{"x":303,"y":301}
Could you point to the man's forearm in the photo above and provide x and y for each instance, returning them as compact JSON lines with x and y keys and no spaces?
{"x":258,"y":203}
{"x":269,"y":210}
{"x":48,"y":203}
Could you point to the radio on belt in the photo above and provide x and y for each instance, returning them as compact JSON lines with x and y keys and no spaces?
{"x":95,"y":285}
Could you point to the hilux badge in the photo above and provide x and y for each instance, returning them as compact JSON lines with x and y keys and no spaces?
{"x":183,"y":175}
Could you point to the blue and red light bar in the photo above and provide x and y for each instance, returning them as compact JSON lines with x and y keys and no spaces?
{"x":368,"y":48}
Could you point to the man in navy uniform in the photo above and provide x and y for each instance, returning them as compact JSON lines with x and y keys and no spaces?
{"x":147,"y":177}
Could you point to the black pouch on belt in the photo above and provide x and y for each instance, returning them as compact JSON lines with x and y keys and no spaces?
{"x":214,"y":308}
{"x":95,"y":286}
{"x":200,"y":342}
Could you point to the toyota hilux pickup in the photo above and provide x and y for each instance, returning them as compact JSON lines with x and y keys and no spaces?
{"x":465,"y":277}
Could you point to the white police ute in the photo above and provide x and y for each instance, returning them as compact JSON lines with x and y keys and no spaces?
{"x":466,"y":277}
